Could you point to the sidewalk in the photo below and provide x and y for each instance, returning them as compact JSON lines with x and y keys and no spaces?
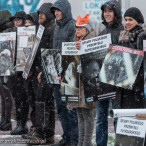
{"x":6,"y":139}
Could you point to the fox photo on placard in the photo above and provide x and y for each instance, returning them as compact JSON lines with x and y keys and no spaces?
{"x":25,"y":41}
{"x":7,"y":53}
{"x":121,"y":66}
{"x":51,"y":62}
{"x":70,"y":78}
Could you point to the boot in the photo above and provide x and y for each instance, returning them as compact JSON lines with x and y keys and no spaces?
{"x":20,"y":129}
{"x":6,"y":125}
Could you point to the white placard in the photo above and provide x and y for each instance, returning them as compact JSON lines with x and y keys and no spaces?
{"x":87,"y":46}
{"x":131,"y":127}
{"x":144,"y":45}
{"x":95,"y":44}
{"x":69,"y":48}
{"x":126,"y":112}
{"x":40,"y":31}
{"x":8,"y":36}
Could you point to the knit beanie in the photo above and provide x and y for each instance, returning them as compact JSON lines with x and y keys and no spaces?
{"x":84,"y":22}
{"x":135,"y":13}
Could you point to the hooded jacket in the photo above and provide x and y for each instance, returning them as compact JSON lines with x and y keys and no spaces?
{"x":64,"y":30}
{"x":5,"y":23}
{"x":47,"y":38}
{"x":33,"y":17}
{"x":114,"y":28}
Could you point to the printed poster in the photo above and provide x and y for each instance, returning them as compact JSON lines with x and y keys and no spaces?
{"x":70,"y":78}
{"x":52,"y":65}
{"x":130,"y":132}
{"x":93,"y":52}
{"x":121,"y":66}
{"x":25,"y":41}
{"x":7,"y":53}
{"x":33,"y":52}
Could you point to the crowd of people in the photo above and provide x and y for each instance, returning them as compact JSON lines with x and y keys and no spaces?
{"x":77,"y":120}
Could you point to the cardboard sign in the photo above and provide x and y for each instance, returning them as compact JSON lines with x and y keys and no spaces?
{"x":7,"y":53}
{"x":51,"y":62}
{"x":121,"y":66}
{"x":25,"y":41}
{"x":33,"y":52}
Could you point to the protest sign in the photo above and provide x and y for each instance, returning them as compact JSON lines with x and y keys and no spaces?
{"x":93,"y":52}
{"x":51,"y":62}
{"x":7,"y":53}
{"x":25,"y":41}
{"x":126,"y":112}
{"x":33,"y":52}
{"x":70,"y":78}
{"x":121,"y":66}
{"x":130,"y":131}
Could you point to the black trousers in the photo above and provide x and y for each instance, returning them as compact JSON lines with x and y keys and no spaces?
{"x":6,"y":102}
{"x":42,"y":103}
{"x":16,"y":84}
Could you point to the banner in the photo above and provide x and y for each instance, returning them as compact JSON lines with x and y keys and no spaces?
{"x":70,"y":78}
{"x":115,"y":113}
{"x":51,"y":62}
{"x":33,"y":52}
{"x":7,"y":53}
{"x":130,"y":131}
{"x":121,"y":66}
{"x":93,"y":52}
{"x":25,"y":41}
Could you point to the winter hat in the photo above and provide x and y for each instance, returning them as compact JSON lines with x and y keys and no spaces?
{"x":19,"y":14}
{"x":32,"y":17}
{"x":45,"y":8}
{"x":135,"y":13}
{"x":84,"y":21}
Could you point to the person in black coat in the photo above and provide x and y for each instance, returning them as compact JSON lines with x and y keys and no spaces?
{"x":64,"y":32}
{"x":43,"y":116}
{"x":16,"y":83}
{"x":112,"y":19}
{"x":130,"y":37}
{"x":5,"y":93}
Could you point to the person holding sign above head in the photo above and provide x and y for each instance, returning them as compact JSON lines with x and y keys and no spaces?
{"x":130,"y":37}
{"x":112,"y":19}
{"x":84,"y":30}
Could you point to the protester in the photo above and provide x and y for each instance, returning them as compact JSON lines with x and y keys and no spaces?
{"x":43,"y":125}
{"x":5,"y":94}
{"x":84,"y":110}
{"x":16,"y":83}
{"x":129,"y":37}
{"x":112,"y":19}
{"x":64,"y":32}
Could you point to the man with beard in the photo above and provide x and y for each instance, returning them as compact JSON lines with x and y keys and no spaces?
{"x":43,"y":117}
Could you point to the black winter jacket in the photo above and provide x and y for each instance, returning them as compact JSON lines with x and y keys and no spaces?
{"x":47,"y":38}
{"x":131,"y":99}
{"x":114,"y":29}
{"x":64,"y":30}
